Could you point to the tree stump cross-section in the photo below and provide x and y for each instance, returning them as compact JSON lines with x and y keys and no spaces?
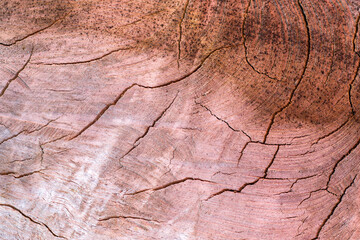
{"x":179,"y":119}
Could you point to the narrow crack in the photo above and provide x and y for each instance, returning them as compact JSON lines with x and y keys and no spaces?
{"x":21,"y":81}
{"x":142,"y":18}
{"x":31,"y":219}
{"x":191,"y":72}
{"x":136,"y":142}
{"x":86,"y":61}
{"x":7,"y":173}
{"x":326,"y":188}
{"x":128,"y":217}
{"x":33,"y":33}
{"x":237,"y":130}
{"x":296,"y":181}
{"x":301,"y":76}
{"x":222,"y":120}
{"x":180,"y":32}
{"x":245,"y":47}
{"x":332,"y":132}
{"x":333,"y":209}
{"x":102,"y":112}
{"x":17,"y":73}
{"x":156,"y":120}
{"x":311,"y":193}
{"x":54,"y":140}
{"x":29,"y":173}
{"x":13,"y":174}
{"x":21,"y":160}
{"x":169,"y":184}
{"x":242,"y":152}
{"x":351,"y":85}
{"x":355,"y":33}
{"x":239,"y":190}
{"x":340,"y":160}
{"x":257,"y":142}
{"x":331,"y":64}
{"x":11,"y":137}
{"x":27,"y":131}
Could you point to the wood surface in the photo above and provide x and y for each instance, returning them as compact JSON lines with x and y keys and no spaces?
{"x":179,"y":119}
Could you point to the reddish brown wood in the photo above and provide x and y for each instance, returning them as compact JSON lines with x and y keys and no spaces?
{"x":179,"y":119}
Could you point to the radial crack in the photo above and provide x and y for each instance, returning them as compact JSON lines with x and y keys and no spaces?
{"x":333,"y":209}
{"x":180,"y":31}
{"x":136,"y":142}
{"x":102,"y":112}
{"x":86,"y":61}
{"x":28,"y":174}
{"x":296,"y":181}
{"x":245,"y":47}
{"x":332,"y":132}
{"x":222,"y":120}
{"x":17,"y":74}
{"x":11,"y":137}
{"x":257,"y":142}
{"x":239,"y":190}
{"x":351,"y":85}
{"x":31,"y":219}
{"x":355,"y":33}
{"x":170,"y":184}
{"x":27,"y":131}
{"x":13,"y":174}
{"x":301,"y":76}
{"x":242,"y":152}
{"x":155,"y":121}
{"x":340,"y":160}
{"x":310,"y":194}
{"x":127,"y":217}
{"x":33,"y":33}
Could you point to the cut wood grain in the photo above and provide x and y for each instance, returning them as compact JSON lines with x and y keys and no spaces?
{"x":179,"y":119}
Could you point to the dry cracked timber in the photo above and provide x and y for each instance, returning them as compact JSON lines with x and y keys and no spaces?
{"x":179,"y":119}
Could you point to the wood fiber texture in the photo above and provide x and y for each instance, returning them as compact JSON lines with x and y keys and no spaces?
{"x":179,"y":119}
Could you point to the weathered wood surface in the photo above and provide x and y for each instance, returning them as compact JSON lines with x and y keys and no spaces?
{"x":179,"y":119}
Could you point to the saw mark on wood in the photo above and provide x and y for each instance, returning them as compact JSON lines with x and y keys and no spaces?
{"x":301,"y":76}
{"x":17,"y":73}
{"x":21,"y":81}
